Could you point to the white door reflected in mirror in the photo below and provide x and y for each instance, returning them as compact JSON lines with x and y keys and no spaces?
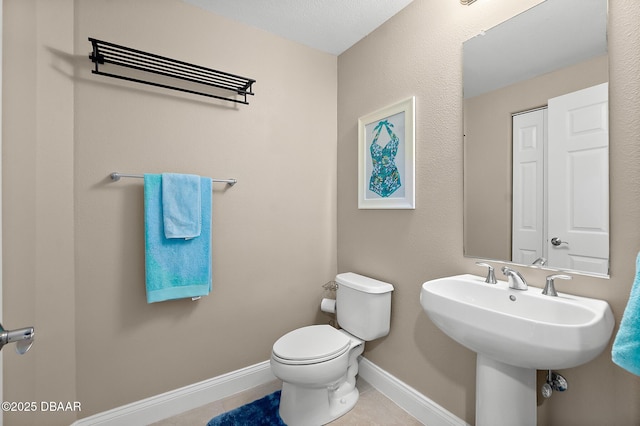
{"x":561,"y":181}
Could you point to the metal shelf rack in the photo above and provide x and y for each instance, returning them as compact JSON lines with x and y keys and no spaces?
{"x":220,"y":85}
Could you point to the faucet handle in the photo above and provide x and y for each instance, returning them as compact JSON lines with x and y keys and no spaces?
{"x":549,"y":288}
{"x":491,"y":276}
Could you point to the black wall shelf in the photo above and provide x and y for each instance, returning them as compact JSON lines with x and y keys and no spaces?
{"x":110,"y":53}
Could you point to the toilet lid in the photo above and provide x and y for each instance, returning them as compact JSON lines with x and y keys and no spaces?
{"x":312,"y":344}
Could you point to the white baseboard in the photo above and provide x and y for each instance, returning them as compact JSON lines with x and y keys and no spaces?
{"x":178,"y":401}
{"x":413,"y":402}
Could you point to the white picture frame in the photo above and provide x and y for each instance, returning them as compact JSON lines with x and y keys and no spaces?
{"x":386,"y":157}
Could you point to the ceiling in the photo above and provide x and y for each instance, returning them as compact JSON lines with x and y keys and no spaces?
{"x":331,"y":26}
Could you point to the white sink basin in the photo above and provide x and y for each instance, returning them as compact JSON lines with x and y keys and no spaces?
{"x":521,"y":328}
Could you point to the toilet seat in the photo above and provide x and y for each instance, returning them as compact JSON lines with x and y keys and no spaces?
{"x":311,"y":345}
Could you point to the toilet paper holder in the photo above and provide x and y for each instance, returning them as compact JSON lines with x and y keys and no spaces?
{"x":328,"y":304}
{"x":330,"y":286}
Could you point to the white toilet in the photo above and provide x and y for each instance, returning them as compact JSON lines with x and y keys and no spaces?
{"x":318,"y":364}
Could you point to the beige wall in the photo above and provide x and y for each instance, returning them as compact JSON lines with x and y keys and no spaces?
{"x":74,"y":240}
{"x":488,"y":151}
{"x":419,"y":52}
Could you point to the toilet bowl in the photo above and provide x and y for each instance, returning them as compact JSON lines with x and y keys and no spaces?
{"x":318,"y":364}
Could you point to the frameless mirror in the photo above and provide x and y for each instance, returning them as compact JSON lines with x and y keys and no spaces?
{"x":536,"y":177}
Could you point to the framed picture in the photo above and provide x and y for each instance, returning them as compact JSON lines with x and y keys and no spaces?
{"x":386,"y":157}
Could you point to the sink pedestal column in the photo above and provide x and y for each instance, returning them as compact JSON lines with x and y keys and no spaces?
{"x":505,"y":395}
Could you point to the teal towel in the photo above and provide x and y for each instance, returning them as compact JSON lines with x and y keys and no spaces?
{"x":181,"y":205}
{"x":626,"y":346}
{"x":175,"y":268}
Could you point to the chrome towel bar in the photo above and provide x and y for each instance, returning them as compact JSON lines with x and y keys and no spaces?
{"x":116,"y":177}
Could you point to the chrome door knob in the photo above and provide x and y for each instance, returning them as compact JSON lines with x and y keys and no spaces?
{"x":557,"y":241}
{"x":23,"y":338}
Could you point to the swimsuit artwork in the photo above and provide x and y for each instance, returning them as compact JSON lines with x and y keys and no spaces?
{"x":385,"y":178}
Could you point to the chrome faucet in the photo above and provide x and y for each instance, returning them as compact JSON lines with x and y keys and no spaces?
{"x":541,"y":261}
{"x":549,"y":288}
{"x":516,"y":281}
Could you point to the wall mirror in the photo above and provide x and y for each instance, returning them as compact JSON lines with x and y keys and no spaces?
{"x":536,"y":157}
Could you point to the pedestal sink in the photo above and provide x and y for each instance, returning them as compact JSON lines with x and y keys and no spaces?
{"x":515,"y":333}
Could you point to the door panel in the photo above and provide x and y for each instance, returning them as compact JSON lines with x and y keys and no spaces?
{"x":578,"y":166}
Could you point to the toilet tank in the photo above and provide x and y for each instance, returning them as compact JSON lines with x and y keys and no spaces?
{"x":363,"y":305}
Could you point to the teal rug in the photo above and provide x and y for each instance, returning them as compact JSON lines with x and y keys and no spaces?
{"x":263,"y":411}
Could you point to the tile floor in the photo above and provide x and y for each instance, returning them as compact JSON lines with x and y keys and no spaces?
{"x":372,"y":409}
